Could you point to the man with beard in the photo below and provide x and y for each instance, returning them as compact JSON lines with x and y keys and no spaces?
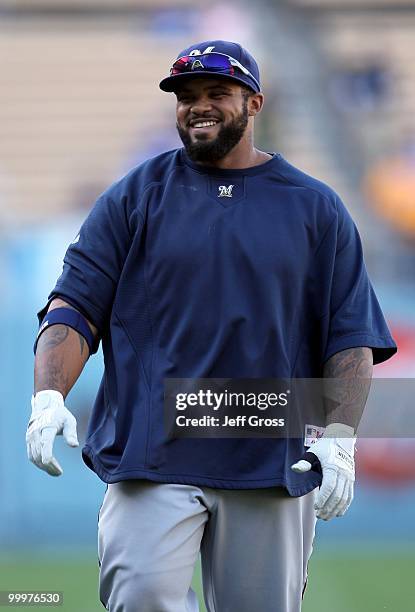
{"x":213,"y":261}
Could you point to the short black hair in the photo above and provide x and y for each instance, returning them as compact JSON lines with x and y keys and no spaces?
{"x":246,"y":91}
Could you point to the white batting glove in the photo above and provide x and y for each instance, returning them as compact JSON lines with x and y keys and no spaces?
{"x":49,"y":418}
{"x":335,"y":452}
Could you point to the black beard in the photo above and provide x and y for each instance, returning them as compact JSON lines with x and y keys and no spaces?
{"x":227,"y":138}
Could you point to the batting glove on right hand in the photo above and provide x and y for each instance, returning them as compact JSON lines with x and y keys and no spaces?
{"x":49,"y":418}
{"x":334,"y":451}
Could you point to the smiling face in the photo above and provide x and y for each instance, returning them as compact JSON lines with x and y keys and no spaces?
{"x":212,"y":117}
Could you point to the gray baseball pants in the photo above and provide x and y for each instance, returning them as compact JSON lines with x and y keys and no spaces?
{"x":254,"y":544}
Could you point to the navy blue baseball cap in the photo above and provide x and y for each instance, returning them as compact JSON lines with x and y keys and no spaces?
{"x":219,"y":58}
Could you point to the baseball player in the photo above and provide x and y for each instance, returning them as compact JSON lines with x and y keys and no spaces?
{"x":209,"y":261}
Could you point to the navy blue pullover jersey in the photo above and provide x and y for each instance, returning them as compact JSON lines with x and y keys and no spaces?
{"x":196,"y":272}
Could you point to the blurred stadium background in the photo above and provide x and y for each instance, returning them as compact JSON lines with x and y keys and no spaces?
{"x":79,"y":106}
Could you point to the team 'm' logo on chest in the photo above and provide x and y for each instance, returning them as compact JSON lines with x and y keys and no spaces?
{"x":225,"y":192}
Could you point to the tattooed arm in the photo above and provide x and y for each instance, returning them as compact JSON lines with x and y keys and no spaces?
{"x":348,"y":375}
{"x":60,"y":356}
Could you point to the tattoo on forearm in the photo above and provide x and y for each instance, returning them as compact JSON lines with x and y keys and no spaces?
{"x":347,"y":377}
{"x":350,"y":363}
{"x":52,"y":375}
{"x":54,"y":336}
{"x":58,"y":361}
{"x":60,"y":357}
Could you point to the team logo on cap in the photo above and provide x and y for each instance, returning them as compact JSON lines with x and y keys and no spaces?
{"x":197,"y":64}
{"x":225,"y":192}
{"x":198,"y":52}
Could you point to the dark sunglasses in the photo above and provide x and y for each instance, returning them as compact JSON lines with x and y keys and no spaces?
{"x":213,"y":62}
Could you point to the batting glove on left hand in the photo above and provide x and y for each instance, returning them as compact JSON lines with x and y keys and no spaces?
{"x":49,"y":418}
{"x":334,"y":452}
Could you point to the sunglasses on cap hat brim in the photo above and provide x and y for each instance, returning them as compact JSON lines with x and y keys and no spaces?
{"x":212,"y":63}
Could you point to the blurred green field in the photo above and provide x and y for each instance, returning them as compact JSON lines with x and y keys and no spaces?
{"x":361,"y":583}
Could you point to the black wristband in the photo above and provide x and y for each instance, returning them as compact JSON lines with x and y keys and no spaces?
{"x":72,"y":318}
